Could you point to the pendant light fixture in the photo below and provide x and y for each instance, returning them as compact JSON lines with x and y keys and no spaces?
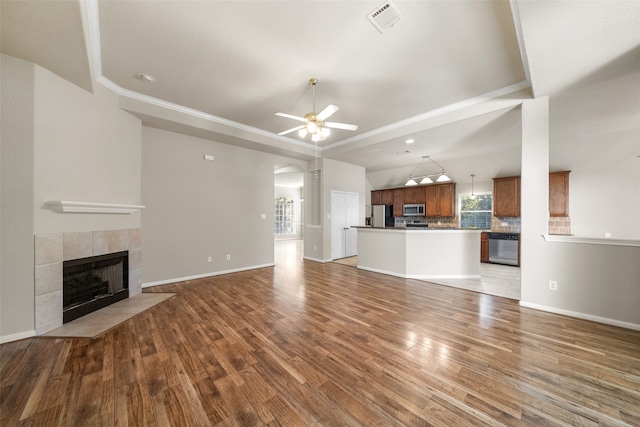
{"x":426,"y":179}
{"x":473,"y":196}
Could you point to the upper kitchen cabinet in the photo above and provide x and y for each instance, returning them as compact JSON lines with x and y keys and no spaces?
{"x":376,"y":197}
{"x":417,"y":195}
{"x":398,"y":201}
{"x":559,"y":194}
{"x":441,"y":202}
{"x":382,"y":197}
{"x":506,"y":196}
{"x":387,"y":197}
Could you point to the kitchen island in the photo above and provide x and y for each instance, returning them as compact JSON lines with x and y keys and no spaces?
{"x":426,"y":253}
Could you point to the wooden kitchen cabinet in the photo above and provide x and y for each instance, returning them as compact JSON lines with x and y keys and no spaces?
{"x":382,"y":197}
{"x":484,"y":247}
{"x":506,"y":196}
{"x":440,"y":200}
{"x":559,"y":194}
{"x":415,"y":195}
{"x":398,"y":202}
{"x":376,"y":197}
{"x":387,"y":197}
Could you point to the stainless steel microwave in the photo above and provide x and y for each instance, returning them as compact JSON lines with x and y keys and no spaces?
{"x":413,"y":210}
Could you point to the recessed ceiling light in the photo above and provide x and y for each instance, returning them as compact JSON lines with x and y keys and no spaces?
{"x":410,"y":141}
{"x":145,"y":77}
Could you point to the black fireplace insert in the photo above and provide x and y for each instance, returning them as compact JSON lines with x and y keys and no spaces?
{"x":89,"y":284}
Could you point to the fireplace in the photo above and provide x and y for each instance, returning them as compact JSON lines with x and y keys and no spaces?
{"x":92,"y":283}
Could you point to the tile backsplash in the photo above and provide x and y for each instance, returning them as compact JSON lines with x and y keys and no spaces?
{"x":505,"y":225}
{"x":560,"y":225}
{"x":557,"y":225}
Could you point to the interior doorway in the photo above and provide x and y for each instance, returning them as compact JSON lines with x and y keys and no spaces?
{"x":288,"y":213}
{"x":344,"y":215}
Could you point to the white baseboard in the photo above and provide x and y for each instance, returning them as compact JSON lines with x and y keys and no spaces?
{"x":313,"y":259}
{"x":441,"y":277}
{"x":576,"y":314}
{"x":376,"y":270}
{"x":16,"y":337}
{"x":201,"y":276}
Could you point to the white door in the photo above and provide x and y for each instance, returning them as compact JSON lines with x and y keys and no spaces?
{"x":344,"y":215}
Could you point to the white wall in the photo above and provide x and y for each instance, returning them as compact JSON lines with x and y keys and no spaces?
{"x":59,"y":142}
{"x":86,"y":149}
{"x":197,"y":208}
{"x":17,"y":310}
{"x":595,"y":281}
{"x":335,"y":176}
{"x":534,"y":199}
{"x":605,"y":203}
{"x":339,"y":176}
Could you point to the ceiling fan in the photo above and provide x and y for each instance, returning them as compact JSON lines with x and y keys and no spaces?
{"x":314,"y":123}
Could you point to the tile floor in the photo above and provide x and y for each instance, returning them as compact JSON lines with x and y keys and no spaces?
{"x":100,"y":321}
{"x":495,"y":279}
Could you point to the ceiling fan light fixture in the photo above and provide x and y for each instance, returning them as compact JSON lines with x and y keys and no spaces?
{"x":314,"y":123}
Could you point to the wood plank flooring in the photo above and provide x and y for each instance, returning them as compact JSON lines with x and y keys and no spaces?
{"x":310,"y":344}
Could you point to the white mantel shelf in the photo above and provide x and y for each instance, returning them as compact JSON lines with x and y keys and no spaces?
{"x":589,"y":240}
{"x":65,"y":206}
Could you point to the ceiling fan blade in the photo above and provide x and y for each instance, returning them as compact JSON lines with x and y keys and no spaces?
{"x":344,"y":126}
{"x":289,"y":116}
{"x":324,"y":114}
{"x":291,"y":130}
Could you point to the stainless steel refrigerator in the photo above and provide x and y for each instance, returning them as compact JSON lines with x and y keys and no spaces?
{"x":382,"y":216}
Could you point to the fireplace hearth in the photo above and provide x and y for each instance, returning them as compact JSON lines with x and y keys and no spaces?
{"x":92,"y":283}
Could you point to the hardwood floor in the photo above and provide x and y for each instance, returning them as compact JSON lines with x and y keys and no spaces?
{"x":306,"y":343}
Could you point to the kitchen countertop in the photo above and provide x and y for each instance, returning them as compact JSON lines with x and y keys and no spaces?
{"x":367,"y":227}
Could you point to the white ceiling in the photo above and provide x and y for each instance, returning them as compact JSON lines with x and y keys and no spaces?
{"x":450,"y":74}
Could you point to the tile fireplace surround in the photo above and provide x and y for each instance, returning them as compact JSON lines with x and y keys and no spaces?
{"x":52,"y":249}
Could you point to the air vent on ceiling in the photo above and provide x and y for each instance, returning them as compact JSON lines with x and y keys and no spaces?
{"x":385,"y":16}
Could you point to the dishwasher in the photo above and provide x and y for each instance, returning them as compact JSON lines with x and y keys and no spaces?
{"x":503,"y":248}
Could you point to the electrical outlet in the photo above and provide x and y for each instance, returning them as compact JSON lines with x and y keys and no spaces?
{"x":504,"y":224}
{"x":263,"y":216}
{"x":209,"y":259}
{"x":553,"y":285}
{"x":607,"y":235}
{"x":228,"y":257}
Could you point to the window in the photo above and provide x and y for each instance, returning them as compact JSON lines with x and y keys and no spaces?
{"x":475,"y":211}
{"x":285,"y":216}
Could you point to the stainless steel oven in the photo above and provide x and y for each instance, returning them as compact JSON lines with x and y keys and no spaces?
{"x":503,"y":248}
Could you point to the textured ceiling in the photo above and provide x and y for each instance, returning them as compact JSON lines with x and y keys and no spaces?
{"x":450,"y":74}
{"x":243,"y":61}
